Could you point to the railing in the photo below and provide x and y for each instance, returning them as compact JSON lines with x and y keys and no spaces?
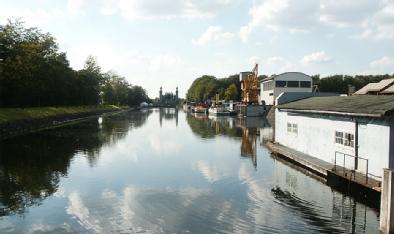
{"x":348,"y":160}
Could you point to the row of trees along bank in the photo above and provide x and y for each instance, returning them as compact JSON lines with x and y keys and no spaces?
{"x":33,"y":72}
{"x":205,"y":87}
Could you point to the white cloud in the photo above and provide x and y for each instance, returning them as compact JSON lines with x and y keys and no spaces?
{"x":381,"y":25}
{"x":74,"y":6}
{"x":160,"y":62}
{"x":253,"y":60}
{"x":165,"y":9}
{"x":291,"y":15}
{"x":384,"y":62}
{"x":316,"y":57}
{"x":32,"y":17}
{"x":347,"y":12}
{"x":370,"y":18}
{"x":213,"y":34}
{"x":278,"y":64}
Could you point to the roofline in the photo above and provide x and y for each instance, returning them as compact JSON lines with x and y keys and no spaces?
{"x":333,"y":112}
{"x":273,"y":76}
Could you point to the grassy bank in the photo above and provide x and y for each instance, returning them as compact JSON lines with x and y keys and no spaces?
{"x":8,"y":115}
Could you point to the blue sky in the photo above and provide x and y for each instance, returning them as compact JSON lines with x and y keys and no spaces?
{"x":169,"y":43}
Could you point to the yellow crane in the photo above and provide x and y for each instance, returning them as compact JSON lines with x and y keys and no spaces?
{"x":250,"y":87}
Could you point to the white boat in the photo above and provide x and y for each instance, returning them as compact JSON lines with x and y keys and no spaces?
{"x":220,"y":111}
{"x":199,"y":109}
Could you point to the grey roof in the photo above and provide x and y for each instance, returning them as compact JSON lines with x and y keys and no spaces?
{"x":363,"y":105}
{"x":268,"y":78}
{"x":274,"y":76}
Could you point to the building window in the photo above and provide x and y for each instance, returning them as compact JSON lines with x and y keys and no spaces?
{"x":344,"y":138}
{"x":349,"y":140}
{"x":305,"y":84}
{"x":295,"y":128}
{"x":292,"y":128}
{"x":280,"y":83}
{"x":339,"y":137}
{"x":293,"y":84}
{"x":267,"y":85}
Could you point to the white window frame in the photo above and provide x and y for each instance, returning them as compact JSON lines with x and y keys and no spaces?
{"x":292,"y":128}
{"x":344,"y":138}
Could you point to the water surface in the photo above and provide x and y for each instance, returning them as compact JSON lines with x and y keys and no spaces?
{"x":165,"y":171}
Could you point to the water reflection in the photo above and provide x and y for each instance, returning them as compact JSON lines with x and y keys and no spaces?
{"x":248,"y":129}
{"x":168,"y":114}
{"x":32,"y":165}
{"x":325,"y":209}
{"x":125,"y":174}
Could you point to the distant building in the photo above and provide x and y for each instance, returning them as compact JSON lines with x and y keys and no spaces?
{"x":168,"y":98}
{"x":272,"y":87}
{"x":385,"y":87}
{"x":357,"y":128}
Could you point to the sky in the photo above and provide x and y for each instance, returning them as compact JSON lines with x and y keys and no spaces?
{"x":170,"y":43}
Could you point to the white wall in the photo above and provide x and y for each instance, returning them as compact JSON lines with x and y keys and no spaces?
{"x":265,"y":95}
{"x":287,"y":76}
{"x":374,"y":144}
{"x":316,"y":137}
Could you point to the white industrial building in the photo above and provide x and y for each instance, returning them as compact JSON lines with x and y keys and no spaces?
{"x":359,"y":129}
{"x":271,"y":87}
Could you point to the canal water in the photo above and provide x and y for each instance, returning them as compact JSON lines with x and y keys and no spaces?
{"x":165,"y":171}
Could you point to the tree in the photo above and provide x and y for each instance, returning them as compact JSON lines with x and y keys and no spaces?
{"x":136,"y":95}
{"x":205,"y":87}
{"x":115,"y":89}
{"x":90,"y":82}
{"x":231,"y":93}
{"x":33,"y":72}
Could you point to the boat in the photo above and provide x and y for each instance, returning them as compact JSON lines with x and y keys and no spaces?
{"x":220,"y":111}
{"x":199,"y":109}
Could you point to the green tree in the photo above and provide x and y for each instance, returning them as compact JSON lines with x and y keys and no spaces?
{"x":205,"y":87}
{"x":231,"y":93}
{"x":136,"y":95}
{"x":115,"y":90}
{"x":33,"y":72}
{"x":90,"y":82}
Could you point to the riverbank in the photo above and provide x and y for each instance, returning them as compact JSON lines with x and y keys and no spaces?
{"x":19,"y":121}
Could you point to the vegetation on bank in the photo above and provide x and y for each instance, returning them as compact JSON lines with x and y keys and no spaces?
{"x":34,"y":73}
{"x":8,"y":115}
{"x":205,"y":87}
{"x":340,"y":83}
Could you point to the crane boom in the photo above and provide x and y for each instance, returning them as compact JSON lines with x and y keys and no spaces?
{"x":250,"y":87}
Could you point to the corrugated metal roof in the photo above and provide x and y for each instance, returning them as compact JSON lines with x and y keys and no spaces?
{"x":385,"y":83}
{"x":375,"y":87}
{"x":389,"y":90}
{"x":274,"y":76}
{"x":365,"y":89}
{"x":365,"y":105}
